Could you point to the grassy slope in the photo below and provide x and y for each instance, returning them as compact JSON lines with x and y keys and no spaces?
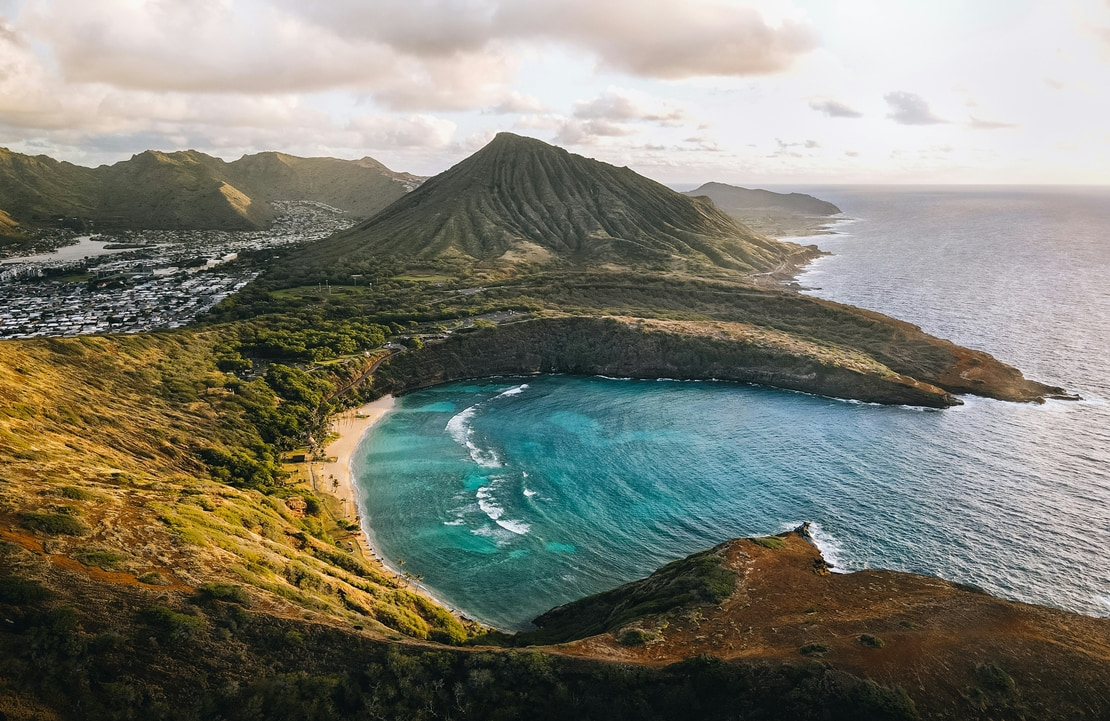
{"x":735,"y":201}
{"x":185,"y":189}
{"x":38,"y":187}
{"x":360,"y":187}
{"x":109,"y":432}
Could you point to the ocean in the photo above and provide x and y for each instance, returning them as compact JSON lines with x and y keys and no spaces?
{"x":509,"y":496}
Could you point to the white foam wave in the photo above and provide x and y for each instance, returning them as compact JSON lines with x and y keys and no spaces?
{"x":459,"y":425}
{"x":487,"y":504}
{"x":518,"y":527}
{"x":1104,"y":599}
{"x":462,"y":433}
{"x":829,"y":547}
{"x":528,"y":492}
{"x":456,"y":522}
{"x":514,"y":391}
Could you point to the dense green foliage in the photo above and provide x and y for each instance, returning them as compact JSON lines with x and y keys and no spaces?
{"x":222,"y":661}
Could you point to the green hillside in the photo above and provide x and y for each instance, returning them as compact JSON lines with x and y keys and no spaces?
{"x":175,"y":190}
{"x":35,"y":188}
{"x":189,"y":190}
{"x":361,"y":187}
{"x":521,"y":200}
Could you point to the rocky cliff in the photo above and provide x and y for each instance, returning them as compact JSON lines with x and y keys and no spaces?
{"x":639,"y":348}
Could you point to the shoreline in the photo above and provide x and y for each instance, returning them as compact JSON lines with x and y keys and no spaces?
{"x":333,"y":477}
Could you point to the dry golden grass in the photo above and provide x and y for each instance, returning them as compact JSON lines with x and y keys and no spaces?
{"x":105,"y":430}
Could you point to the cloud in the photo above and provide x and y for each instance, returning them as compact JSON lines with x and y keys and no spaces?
{"x":910,"y":109}
{"x":624,"y":106}
{"x":834,"y":109}
{"x":408,"y":54}
{"x":615,"y":113}
{"x":787,"y":150}
{"x":257,"y":47}
{"x":515,"y":103}
{"x":669,"y":39}
{"x":979,"y":124}
{"x":389,"y":131}
{"x":588,"y":132}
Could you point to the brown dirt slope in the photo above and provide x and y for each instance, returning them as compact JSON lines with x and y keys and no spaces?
{"x":958,"y":652}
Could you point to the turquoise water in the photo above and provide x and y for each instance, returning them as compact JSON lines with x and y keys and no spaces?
{"x":514,"y":495}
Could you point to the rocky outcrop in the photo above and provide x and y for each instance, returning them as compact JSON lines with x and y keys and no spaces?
{"x":956,"y":651}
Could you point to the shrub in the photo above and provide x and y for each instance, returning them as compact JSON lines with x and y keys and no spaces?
{"x":153,"y":579}
{"x":54,"y":524}
{"x":173,"y":626}
{"x":76,"y":494}
{"x":772,"y":542}
{"x":107,"y":560}
{"x":228,"y":592}
{"x":994,"y":678}
{"x":635,"y":637}
{"x":870,"y":641}
{"x":814,"y":649}
{"x":22,"y":592}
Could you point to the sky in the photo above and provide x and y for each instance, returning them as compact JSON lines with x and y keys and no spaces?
{"x":685,"y":91}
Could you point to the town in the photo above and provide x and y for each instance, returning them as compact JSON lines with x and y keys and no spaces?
{"x":137,"y":281}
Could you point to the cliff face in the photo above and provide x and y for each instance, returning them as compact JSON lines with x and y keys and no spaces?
{"x":638,"y":348}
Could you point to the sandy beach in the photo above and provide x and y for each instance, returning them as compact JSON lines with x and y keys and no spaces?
{"x":334,"y":477}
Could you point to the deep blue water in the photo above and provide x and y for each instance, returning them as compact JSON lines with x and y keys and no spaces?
{"x":514,"y":495}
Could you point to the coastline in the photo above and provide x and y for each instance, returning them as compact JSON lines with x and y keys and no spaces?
{"x":333,"y":476}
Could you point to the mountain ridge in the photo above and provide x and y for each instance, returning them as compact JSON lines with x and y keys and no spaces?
{"x":190,"y":190}
{"x":774,"y":214}
{"x":521,"y":197}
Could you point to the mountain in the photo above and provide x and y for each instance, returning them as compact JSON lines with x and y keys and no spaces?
{"x":522,"y":199}
{"x":361,"y":187}
{"x":776,"y":214}
{"x":35,"y":188}
{"x":732,"y":198}
{"x":189,"y":189}
{"x":186,"y":189}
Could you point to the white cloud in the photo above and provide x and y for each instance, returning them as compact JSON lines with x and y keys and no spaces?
{"x":665,"y":38}
{"x":388,"y":131}
{"x":622,"y":106}
{"x":517,"y":103}
{"x":910,"y":109}
{"x":834,"y":109}
{"x":979,"y":124}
